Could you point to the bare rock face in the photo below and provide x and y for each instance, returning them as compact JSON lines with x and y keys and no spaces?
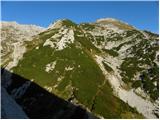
{"x":13,"y":36}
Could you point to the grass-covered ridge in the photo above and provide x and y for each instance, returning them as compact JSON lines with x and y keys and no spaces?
{"x":75,"y":75}
{"x":119,"y":24}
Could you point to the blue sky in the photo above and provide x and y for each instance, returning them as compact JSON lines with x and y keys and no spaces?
{"x":143,"y":15}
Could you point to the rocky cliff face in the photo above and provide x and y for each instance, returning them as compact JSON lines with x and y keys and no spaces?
{"x":108,"y":68}
{"x":13,"y":37}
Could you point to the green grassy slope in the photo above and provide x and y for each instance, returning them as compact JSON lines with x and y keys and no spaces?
{"x":85,"y":81}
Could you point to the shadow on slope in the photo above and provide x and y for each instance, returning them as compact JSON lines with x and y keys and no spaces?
{"x":39,"y":103}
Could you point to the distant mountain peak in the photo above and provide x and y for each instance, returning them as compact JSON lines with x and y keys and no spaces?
{"x":115,"y":22}
{"x":106,"y":19}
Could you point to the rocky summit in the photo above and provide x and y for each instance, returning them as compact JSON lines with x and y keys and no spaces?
{"x":106,"y":69}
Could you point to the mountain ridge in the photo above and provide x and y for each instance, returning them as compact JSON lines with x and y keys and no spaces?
{"x":72,"y":54}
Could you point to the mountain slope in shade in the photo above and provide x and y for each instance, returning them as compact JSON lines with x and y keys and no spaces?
{"x":9,"y":108}
{"x":108,"y":68}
